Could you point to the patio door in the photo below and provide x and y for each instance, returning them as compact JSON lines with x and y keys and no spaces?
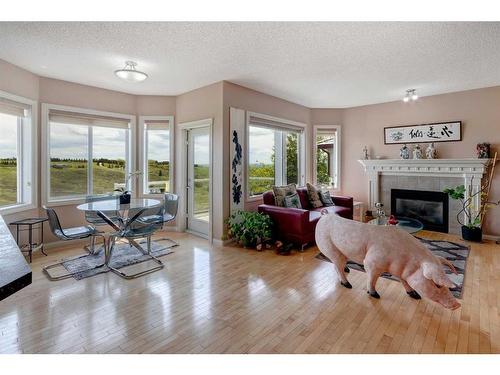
{"x":198,"y":180}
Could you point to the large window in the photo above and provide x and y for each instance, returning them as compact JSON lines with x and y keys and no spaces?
{"x":156,"y":155}
{"x":274,"y":154}
{"x":327,"y":155}
{"x":16,"y":152}
{"x":89,"y":154}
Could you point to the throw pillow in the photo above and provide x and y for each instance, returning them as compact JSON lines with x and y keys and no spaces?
{"x":313,"y":195}
{"x":326,"y":198}
{"x":280,"y":192}
{"x":292,"y":201}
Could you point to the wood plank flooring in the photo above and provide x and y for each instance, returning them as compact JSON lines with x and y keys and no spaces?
{"x":233,"y":300}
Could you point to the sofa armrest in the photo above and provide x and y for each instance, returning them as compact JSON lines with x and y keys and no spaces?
{"x":288,"y":219}
{"x":343,"y":201}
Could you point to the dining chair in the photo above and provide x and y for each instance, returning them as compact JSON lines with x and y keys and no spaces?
{"x":67,"y":234}
{"x":93,"y":218}
{"x":142,"y":223}
{"x":170,"y":208}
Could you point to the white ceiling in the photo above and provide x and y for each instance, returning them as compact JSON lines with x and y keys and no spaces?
{"x":330,"y":64}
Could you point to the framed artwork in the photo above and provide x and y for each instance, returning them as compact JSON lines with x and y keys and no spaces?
{"x":424,"y":133}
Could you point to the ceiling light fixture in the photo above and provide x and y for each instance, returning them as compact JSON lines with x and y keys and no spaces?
{"x":130,"y":73}
{"x":411,"y":94}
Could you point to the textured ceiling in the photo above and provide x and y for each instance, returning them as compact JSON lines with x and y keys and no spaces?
{"x":315,"y":64}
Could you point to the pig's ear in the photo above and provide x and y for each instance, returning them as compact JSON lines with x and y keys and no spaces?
{"x":432,"y":272}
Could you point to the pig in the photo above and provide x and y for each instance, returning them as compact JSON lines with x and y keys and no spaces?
{"x":385,"y":249}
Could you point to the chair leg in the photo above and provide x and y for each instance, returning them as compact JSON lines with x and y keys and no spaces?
{"x":60,"y":264}
{"x":91,"y":249}
{"x":138,"y":274}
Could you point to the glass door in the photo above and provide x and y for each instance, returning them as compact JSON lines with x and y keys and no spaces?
{"x":198,"y":179}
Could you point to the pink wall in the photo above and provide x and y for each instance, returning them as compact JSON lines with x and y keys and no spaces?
{"x":18,"y":81}
{"x":479,"y":111}
{"x":250,"y":100}
{"x":201,"y":104}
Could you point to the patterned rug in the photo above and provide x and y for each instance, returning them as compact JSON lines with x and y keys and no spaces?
{"x":454,"y":252}
{"x":123,"y":255}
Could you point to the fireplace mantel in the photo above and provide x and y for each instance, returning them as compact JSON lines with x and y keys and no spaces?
{"x":471,"y":170}
{"x":441,"y":167}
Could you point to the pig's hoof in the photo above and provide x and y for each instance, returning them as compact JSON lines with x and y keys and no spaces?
{"x":373,"y":294}
{"x":413,"y":294}
{"x":347,"y":284}
{"x":347,"y":270}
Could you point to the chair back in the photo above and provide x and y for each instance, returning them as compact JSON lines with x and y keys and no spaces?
{"x":170,"y":206}
{"x":91,"y":216}
{"x":54,"y":223}
{"x":144,"y":223}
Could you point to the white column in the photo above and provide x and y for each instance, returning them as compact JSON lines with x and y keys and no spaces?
{"x":472,"y":184}
{"x":373,"y":189}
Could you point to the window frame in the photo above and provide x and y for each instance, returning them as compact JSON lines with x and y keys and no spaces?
{"x":338,"y":153}
{"x":280,"y":163}
{"x":45,"y":170}
{"x":143,"y":156}
{"x":27,"y":165}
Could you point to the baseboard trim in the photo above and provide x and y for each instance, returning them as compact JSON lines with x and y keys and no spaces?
{"x":217,"y":242}
{"x":491,"y":238}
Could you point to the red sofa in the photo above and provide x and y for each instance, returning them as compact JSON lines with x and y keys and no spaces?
{"x":297,"y":225}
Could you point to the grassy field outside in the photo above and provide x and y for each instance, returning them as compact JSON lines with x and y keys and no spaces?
{"x":8,"y":181}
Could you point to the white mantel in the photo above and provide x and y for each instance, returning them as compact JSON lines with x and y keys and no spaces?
{"x":471,"y":170}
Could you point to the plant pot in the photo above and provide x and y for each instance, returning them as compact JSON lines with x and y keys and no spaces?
{"x":474,"y":234}
{"x":125,"y":199}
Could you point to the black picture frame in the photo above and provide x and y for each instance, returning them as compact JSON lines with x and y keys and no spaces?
{"x":406,"y":141}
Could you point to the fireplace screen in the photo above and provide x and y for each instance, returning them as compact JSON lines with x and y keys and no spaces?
{"x":429,"y":207}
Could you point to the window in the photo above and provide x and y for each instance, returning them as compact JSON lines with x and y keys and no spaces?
{"x":89,"y":154}
{"x":16,"y":153}
{"x":156,"y":139}
{"x":327,"y":155}
{"x":274,"y":150}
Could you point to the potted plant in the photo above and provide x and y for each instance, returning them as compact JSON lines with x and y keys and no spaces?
{"x":251,"y":229}
{"x":471,"y":220}
{"x":124,"y":195}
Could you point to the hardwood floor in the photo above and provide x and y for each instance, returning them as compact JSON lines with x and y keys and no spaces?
{"x":232,"y":300}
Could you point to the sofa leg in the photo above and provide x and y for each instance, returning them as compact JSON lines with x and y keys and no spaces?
{"x":303,"y":247}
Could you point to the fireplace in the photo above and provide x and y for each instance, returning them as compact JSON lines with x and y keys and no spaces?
{"x":429,"y":207}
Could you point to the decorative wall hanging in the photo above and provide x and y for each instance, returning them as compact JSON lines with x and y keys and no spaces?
{"x":237,"y":127}
{"x":435,"y":132}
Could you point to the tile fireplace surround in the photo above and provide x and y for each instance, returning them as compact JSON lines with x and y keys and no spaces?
{"x":425,"y":174}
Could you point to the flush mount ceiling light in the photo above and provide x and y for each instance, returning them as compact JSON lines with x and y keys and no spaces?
{"x":411,"y":94}
{"x":130,"y":73}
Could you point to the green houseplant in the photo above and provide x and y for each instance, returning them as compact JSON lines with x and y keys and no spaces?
{"x":470,"y":216}
{"x":251,"y":229}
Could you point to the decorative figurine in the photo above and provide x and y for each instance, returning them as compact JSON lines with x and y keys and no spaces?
{"x":380,"y":213}
{"x":431,"y":152}
{"x":417,"y":152}
{"x":483,"y":150}
{"x":404,"y":152}
{"x":365,"y":153}
{"x":392,"y":220}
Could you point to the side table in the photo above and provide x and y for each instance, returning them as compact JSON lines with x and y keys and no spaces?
{"x":30,"y":223}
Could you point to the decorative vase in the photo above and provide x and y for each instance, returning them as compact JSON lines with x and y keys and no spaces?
{"x":404,"y":152}
{"x":125,"y":198}
{"x":483,"y":150}
{"x":431,"y":152}
{"x":417,"y":152}
{"x":474,"y":234}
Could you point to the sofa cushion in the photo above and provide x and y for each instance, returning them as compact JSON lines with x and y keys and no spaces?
{"x":326,"y":198}
{"x":292,"y":201}
{"x":314,"y":198}
{"x":304,"y":198}
{"x":280,"y":192}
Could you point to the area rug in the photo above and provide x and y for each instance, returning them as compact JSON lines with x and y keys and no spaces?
{"x":123,"y":255}
{"x":454,"y":252}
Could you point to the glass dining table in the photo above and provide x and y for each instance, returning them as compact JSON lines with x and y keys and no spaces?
{"x":107,"y":209}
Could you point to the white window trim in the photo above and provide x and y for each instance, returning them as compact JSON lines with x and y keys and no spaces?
{"x":338,"y":152}
{"x":32,"y":156}
{"x":46,"y":108}
{"x":143,"y":150}
{"x":301,"y":157}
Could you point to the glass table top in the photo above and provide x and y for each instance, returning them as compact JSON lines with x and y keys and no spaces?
{"x":114,"y":205}
{"x":406,"y":223}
